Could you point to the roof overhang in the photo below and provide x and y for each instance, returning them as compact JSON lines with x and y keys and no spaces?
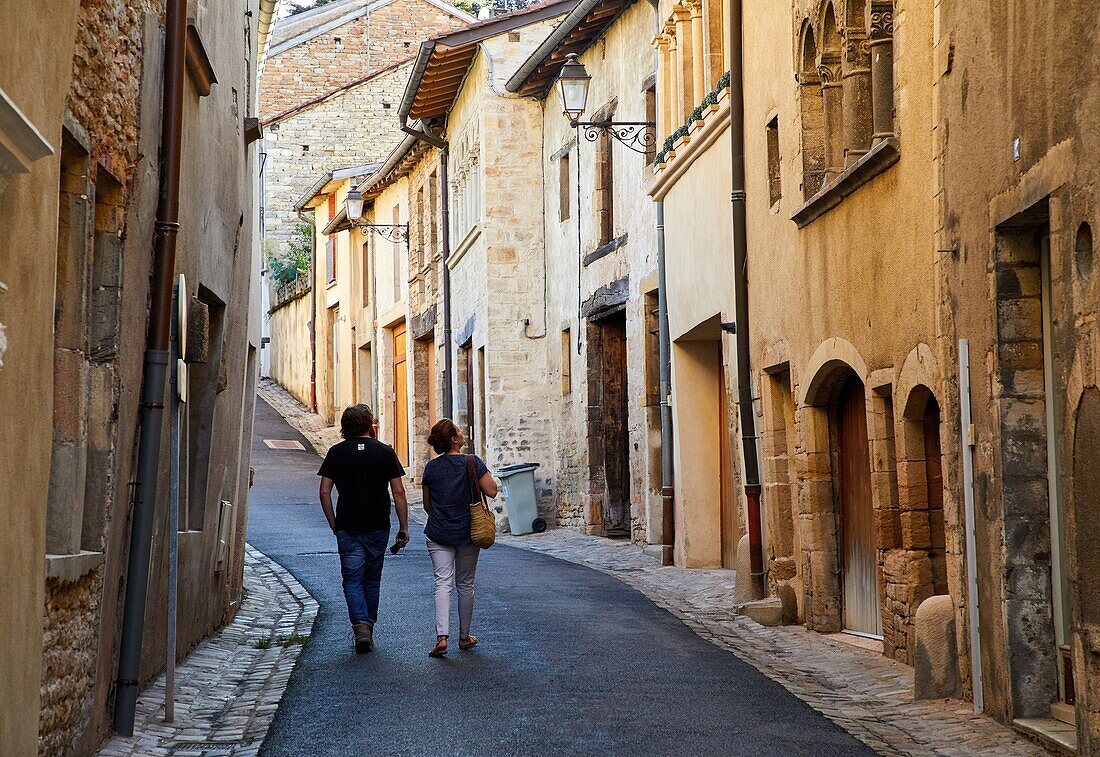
{"x":442,"y":63}
{"x":574,"y":34}
{"x":269,"y":11}
{"x":329,"y":182}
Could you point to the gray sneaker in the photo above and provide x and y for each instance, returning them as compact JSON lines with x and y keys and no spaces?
{"x":364,"y":637}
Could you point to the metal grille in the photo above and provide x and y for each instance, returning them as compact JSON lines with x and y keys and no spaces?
{"x":283,"y":444}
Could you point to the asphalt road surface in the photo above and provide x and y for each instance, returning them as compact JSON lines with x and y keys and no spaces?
{"x":571,"y":661}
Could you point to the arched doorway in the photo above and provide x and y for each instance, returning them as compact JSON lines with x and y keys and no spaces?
{"x":858,"y":546}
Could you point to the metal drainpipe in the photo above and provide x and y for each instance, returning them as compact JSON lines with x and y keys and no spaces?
{"x":741,"y":301}
{"x":665,"y":359}
{"x":445,"y":220}
{"x":157,"y":352}
{"x":312,"y":309}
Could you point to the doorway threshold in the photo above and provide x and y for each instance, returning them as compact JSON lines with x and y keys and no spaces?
{"x":870,"y":643}
{"x":1052,"y":734}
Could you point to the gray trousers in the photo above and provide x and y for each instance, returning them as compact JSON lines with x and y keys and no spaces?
{"x":454,"y":568}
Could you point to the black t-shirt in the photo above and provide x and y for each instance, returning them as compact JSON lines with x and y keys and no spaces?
{"x":362,"y":468}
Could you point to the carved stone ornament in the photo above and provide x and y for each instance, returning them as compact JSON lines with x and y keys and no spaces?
{"x":828,"y":72}
{"x":882,"y":24}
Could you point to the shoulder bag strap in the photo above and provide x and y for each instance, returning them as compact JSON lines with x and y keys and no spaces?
{"x":475,"y":488}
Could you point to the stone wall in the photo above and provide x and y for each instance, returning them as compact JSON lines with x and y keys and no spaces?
{"x":36,"y":78}
{"x":497,"y":266}
{"x":69,"y":661}
{"x":1012,"y":172}
{"x":353,"y":127}
{"x":290,"y":351}
{"x":376,"y":40}
{"x":99,"y":269}
{"x":619,"y":63}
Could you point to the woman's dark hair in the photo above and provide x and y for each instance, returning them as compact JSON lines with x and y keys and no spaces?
{"x":357,"y":420}
{"x":442,"y":436}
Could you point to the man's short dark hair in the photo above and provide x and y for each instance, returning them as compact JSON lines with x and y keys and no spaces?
{"x":356,"y":421}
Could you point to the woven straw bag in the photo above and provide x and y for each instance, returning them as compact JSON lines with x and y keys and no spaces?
{"x":483,"y":526}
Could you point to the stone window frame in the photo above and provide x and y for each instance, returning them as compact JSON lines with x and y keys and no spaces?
{"x":779,"y":452}
{"x":603,"y":190}
{"x":566,"y":361}
{"x":1019,"y":400}
{"x":845,"y":73}
{"x":774,"y":160}
{"x":84,"y":402}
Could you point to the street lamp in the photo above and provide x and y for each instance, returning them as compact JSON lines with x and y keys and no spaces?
{"x":573,"y":87}
{"x":392,"y":232}
{"x":573,"y":81}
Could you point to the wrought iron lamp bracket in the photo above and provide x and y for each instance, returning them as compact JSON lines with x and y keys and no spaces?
{"x":391,"y":232}
{"x":639,"y":136}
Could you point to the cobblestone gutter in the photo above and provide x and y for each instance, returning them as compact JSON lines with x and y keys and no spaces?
{"x":229,"y":687}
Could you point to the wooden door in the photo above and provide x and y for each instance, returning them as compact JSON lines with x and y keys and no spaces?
{"x":336,"y":408}
{"x":727,"y":488}
{"x":468,"y":373}
{"x":616,"y":406}
{"x":433,"y":382}
{"x":400,"y":396}
{"x":858,"y":546}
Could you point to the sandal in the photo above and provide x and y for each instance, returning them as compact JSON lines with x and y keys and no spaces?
{"x":467,"y":643}
{"x":440,"y":648}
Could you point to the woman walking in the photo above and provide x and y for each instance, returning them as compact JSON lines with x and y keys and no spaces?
{"x":450,"y":483}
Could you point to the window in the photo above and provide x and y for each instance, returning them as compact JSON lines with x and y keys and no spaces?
{"x":652,"y":349}
{"x":204,"y":374}
{"x":775,"y":188}
{"x":330,"y":245}
{"x":65,"y":501}
{"x":566,"y":362}
{"x":651,"y":116}
{"x":563,"y":187}
{"x":433,"y":216}
{"x":421,"y":246}
{"x":367,"y":264}
{"x":483,"y":408}
{"x":605,"y":188}
{"x":847,"y":88}
{"x":466,"y":188}
{"x":396,"y":221}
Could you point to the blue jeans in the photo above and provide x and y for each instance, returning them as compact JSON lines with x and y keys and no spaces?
{"x":361,"y":557}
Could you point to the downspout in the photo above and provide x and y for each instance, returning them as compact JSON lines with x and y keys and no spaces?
{"x":157,"y":352}
{"x":741,"y":302}
{"x":664,"y":357}
{"x":445,"y":221}
{"x":312,"y":309}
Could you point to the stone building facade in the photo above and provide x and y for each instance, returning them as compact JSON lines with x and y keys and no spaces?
{"x":601,"y":309}
{"x":337,"y":45}
{"x":1017,"y":213}
{"x":855,"y":520}
{"x":500,"y":385}
{"x":81,"y":130}
{"x":329,"y":90}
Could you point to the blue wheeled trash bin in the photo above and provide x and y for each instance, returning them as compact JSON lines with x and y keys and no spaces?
{"x":519,"y":498}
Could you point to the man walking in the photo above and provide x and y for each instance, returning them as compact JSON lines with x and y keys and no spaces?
{"x":361,"y":468}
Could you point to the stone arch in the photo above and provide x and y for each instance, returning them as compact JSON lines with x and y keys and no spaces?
{"x":915,"y":559}
{"x":826,"y":366}
{"x":832,"y":364}
{"x":830,"y":64}
{"x":810,"y":104}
